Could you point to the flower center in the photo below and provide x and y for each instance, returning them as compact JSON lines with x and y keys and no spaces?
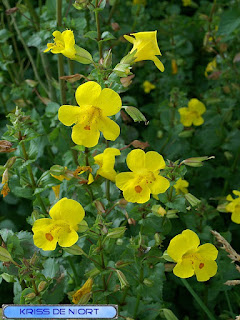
{"x":90,"y":117}
{"x":49,"y":237}
{"x":138,"y":189}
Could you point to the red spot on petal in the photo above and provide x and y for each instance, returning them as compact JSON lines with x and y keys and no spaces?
{"x":201,"y":265}
{"x":138,"y":189}
{"x":49,"y":237}
{"x":87,"y":128}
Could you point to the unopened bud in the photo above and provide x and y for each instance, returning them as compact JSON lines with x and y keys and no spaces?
{"x":6,"y":146}
{"x":57,"y":170}
{"x":131,"y":221}
{"x":122,"y":203}
{"x":30,"y":296}
{"x":126,"y":81}
{"x":197,"y":161}
{"x":186,"y":133}
{"x":148,"y":282}
{"x":115,"y":26}
{"x":107,"y":62}
{"x":116,"y":233}
{"x":123,"y":281}
{"x":192,"y":199}
{"x":10,"y":162}
{"x":158,"y":239}
{"x":228,"y":155}
{"x":100,"y":207}
{"x":42,"y":286}
{"x":159,"y":210}
{"x":5,"y":176}
{"x":122,"y":69}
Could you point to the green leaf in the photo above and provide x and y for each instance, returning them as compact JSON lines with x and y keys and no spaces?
{"x":230,"y":21}
{"x":4,"y":35}
{"x":5,"y":255}
{"x":168,"y":314}
{"x":106,"y":35}
{"x":135,"y":114}
{"x":91,"y":35}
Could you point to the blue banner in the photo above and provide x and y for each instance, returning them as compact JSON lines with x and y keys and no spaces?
{"x":60,"y":311}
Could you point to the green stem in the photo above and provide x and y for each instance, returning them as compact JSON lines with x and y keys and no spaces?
{"x":48,"y":73}
{"x":198,"y":300}
{"x":138,"y":296}
{"x":60,"y":57}
{"x":98,"y":31}
{"x":30,"y":173}
{"x":33,"y":13}
{"x":6,"y":4}
{"x":74,"y":270}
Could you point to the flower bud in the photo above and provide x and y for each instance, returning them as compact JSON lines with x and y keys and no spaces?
{"x":57,"y":170}
{"x":30,"y":296}
{"x":126,"y":81}
{"x":122,"y":69}
{"x":148,"y":282}
{"x":6,"y":146}
{"x":5,"y":176}
{"x":115,"y":26}
{"x":192,"y":199}
{"x":100,"y":207}
{"x":42,"y":286}
{"x":131,"y":221}
{"x":107,"y":62}
{"x":116,"y":232}
{"x":197,"y":161}
{"x":10,"y":162}
{"x":122,"y":203}
{"x":123,"y":281}
{"x":158,"y":239}
{"x":159,"y":210}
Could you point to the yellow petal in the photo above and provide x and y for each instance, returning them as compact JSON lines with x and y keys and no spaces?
{"x":69,"y":42}
{"x":56,"y":190}
{"x":88,"y":93}
{"x":205,"y":269}
{"x":128,"y":38}
{"x":123,"y":179}
{"x":41,"y":224}
{"x":154,"y":161}
{"x":67,"y":239}
{"x":182,"y":243}
{"x":109,"y":128}
{"x":236,"y":216}
{"x":208,"y":251}
{"x":158,"y":64}
{"x":85,"y":137}
{"x":236,"y":192}
{"x":136,"y":192}
{"x":110,"y":102}
{"x":196,"y":105}
{"x":184,"y":269}
{"x":68,"y":210}
{"x":198,"y":121}
{"x":136,"y":160}
{"x":160,"y":185}
{"x":40,"y":240}
{"x":106,"y":161}
{"x":68,"y":115}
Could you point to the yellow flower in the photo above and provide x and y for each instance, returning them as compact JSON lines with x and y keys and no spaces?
{"x":66,"y":214}
{"x":234,"y":206}
{"x":181,"y":186}
{"x":139,"y":2}
{"x":144,"y":178}
{"x":212,"y":66}
{"x":192,"y":114}
{"x":106,"y":161}
{"x":56,"y":189}
{"x":96,"y":105}
{"x":186,"y":3}
{"x":83,"y":294}
{"x":148,"y":86}
{"x":147,"y":48}
{"x":63,"y":43}
{"x":174,"y":66}
{"x":191,"y":258}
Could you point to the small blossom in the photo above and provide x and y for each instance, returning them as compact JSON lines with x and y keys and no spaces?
{"x":83,"y":294}
{"x":96,"y":105}
{"x":63,"y":43}
{"x":212,"y":66}
{"x":146,"y":46}
{"x":66,"y":214}
{"x":148,"y":86}
{"x":192,"y":114}
{"x":191,"y":258}
{"x":144,"y":178}
{"x":106,"y":161}
{"x":181,"y":186}
{"x":234,"y":206}
{"x":186,"y":3}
